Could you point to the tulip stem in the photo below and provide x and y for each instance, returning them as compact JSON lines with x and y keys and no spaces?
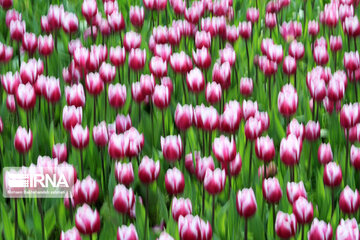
{"x":309,"y":162}
{"x":103,"y":168}
{"x":90,"y":236}
{"x":355,"y":88}
{"x":213,"y":212}
{"x":292,"y":173}
{"x":42,"y":217}
{"x":16,"y":219}
{"x":81,"y":164}
{"x":313,"y":110}
{"x":273,"y":212}
{"x":250,"y":161}
{"x":269,"y":90}
{"x":183,"y":85}
{"x":203,"y":200}
{"x":210,"y":141}
{"x":118,"y":68}
{"x":146,"y":211}
{"x":71,"y":208}
{"x":139,"y":112}
{"x":246,"y":229}
{"x":335,"y":57}
{"x":183,"y":133}
{"x":317,"y":111}
{"x":295,"y":81}
{"x":94,"y":109}
{"x":347,"y":154}
{"x":332,"y":203}
{"x":27,"y":120}
{"x":229,"y":176}
{"x":302,"y":231}
{"x":248,"y":58}
{"x":105,"y":100}
{"x":163,"y":121}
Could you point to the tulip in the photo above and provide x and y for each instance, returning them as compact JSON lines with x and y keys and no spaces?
{"x":117,"y":95}
{"x":123,"y":199}
{"x":23,"y":141}
{"x":72,"y":234}
{"x":295,"y":191}
{"x":313,"y":28}
{"x":195,"y":81}
{"x":252,"y":15}
{"x":246,"y":205}
{"x":270,"y":21}
{"x":213,"y":92}
{"x":171,"y":147}
{"x":296,"y":129}
{"x":29,"y":43}
{"x":264,"y":149}
{"x":287,"y":100}
{"x":201,"y":166}
{"x":290,"y":30}
{"x":71,"y":117}
{"x":127,"y":233}
{"x":70,"y":23}
{"x":137,"y":59}
{"x":158,"y":67}
{"x":246,"y":86}
{"x":17,"y":29}
{"x":290,"y":150}
{"x":10,"y":103}
{"x":59,"y":151}
{"x":136,"y":142}
{"x":349,"y":201}
{"x":137,"y":16}
{"x":271,"y":190}
{"x":320,"y":230}
{"x":249,"y":108}
{"x":347,"y":229}
{"x":325,"y":154}
{"x":189,"y":162}
{"x":124,"y":173}
{"x":303,"y":211}
{"x":285,"y":225}
{"x":10,"y":82}
{"x":163,"y":51}
{"x":87,"y":190}
{"x":202,"y":39}
{"x":180,"y":62}
{"x":123,"y":123}
{"x":45,"y":47}
{"x":192,"y":227}
{"x":230,"y":122}
{"x":87,"y":221}
{"x":148,"y":172}
{"x":183,"y":117}
{"x":180,"y":207}
{"x":174,"y":181}
{"x":80,"y":139}
{"x":224,"y":149}
{"x":160,"y":34}
{"x":332,"y":178}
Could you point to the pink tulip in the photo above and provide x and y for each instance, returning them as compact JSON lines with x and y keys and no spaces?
{"x":123,"y":199}
{"x":252,"y":128}
{"x":10,"y":103}
{"x":136,"y":92}
{"x":123,"y":123}
{"x":180,"y":62}
{"x":313,"y":28}
{"x":174,"y":181}
{"x":75,"y":95}
{"x":191,"y":227}
{"x":246,"y":86}
{"x":224,"y":149}
{"x":89,"y":9}
{"x":94,"y":84}
{"x":148,"y":170}
{"x":137,"y":59}
{"x":136,"y":16}
{"x":171,"y":147}
{"x":202,"y":165}
{"x":320,"y":230}
{"x":202,"y":58}
{"x":71,"y":117}
{"x":271,"y":190}
{"x":163,"y":51}
{"x":349,"y":115}
{"x":23,"y":140}
{"x":202,"y":39}
{"x":287,"y":100}
{"x":87,"y":221}
{"x":70,"y":23}
{"x":87,"y":190}
{"x":206,"y":118}
{"x":290,"y":30}
{"x":10,"y":82}
{"x":29,"y":43}
{"x":124,"y":173}
{"x":213,"y":92}
{"x":45,"y":45}
{"x":296,"y":129}
{"x":285,"y":225}
{"x":127,"y":233}
{"x":349,"y":201}
{"x":295,"y":191}
{"x":161,"y":96}
{"x":351,"y":26}
{"x":296,"y":50}
{"x":118,"y":145}
{"x":303,"y":210}
{"x":332,"y":175}
{"x":227,"y":55}
{"x":335,"y":43}
{"x":290,"y":150}
{"x":100,"y":134}
{"x":117,"y":56}
{"x":312,"y":131}
{"x":59,"y":151}
{"x":132,"y":40}
{"x":117,"y":95}
{"x":270,"y":20}
{"x":158,"y":67}
{"x":347,"y":230}
{"x":325,"y":154}
{"x":195,"y":80}
{"x":25,"y":96}
{"x":72,"y":234}
{"x":79,"y":136}
{"x":17,"y":29}
{"x":246,"y":202}
{"x":107,"y":72}
{"x":245,"y":29}
{"x":264,"y":148}
{"x":180,"y":207}
{"x":289,"y":65}
{"x":230,"y":122}
{"x":252,"y":15}
{"x":183,"y":116}
{"x":351,"y":60}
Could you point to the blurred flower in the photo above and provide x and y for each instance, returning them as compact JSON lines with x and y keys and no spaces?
{"x":320,"y":230}
{"x":25,"y":96}
{"x":246,"y":202}
{"x":290,"y":150}
{"x":59,"y":151}
{"x":332,"y":175}
{"x":148,"y":170}
{"x":285,"y":225}
{"x":79,"y":136}
{"x":347,"y":229}
{"x":87,"y":221}
{"x":75,"y":95}
{"x":123,"y":199}
{"x":174,"y":181}
{"x":23,"y":140}
{"x":136,"y":16}
{"x":349,"y":201}
{"x":127,"y":233}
